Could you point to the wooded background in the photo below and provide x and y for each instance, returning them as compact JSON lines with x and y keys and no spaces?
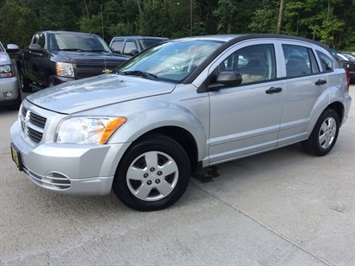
{"x":330,"y":21}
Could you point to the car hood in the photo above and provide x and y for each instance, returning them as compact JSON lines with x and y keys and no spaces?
{"x":73,"y":57}
{"x":80,"y":95}
{"x":4,"y":58}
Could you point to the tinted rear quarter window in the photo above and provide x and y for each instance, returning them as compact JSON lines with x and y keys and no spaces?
{"x":326,"y":61}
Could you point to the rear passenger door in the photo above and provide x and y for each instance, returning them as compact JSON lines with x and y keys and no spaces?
{"x":304,"y":85}
{"x":245,"y":119}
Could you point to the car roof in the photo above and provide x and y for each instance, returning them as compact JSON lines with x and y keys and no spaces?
{"x":240,"y":37}
{"x":68,"y":32}
{"x":140,"y":37}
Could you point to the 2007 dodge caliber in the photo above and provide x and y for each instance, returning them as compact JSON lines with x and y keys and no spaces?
{"x":179,"y":106}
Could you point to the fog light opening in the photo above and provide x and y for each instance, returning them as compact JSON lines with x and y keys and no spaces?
{"x":8,"y":94}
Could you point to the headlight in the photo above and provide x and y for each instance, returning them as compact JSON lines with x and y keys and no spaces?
{"x":65,"y":69}
{"x":6,"y":71}
{"x":88,"y":130}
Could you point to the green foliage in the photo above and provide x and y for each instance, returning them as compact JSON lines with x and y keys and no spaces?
{"x":17,"y":24}
{"x":329,"y":21}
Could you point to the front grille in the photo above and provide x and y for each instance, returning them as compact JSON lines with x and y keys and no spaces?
{"x":86,"y":70}
{"x":38,"y":120}
{"x":32,"y":125}
{"x":34,"y":135}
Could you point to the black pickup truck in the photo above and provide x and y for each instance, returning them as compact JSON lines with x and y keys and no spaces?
{"x":54,"y":57}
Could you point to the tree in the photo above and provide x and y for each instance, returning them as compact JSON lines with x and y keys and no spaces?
{"x":19,"y":30}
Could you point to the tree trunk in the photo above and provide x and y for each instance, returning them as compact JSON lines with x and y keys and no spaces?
{"x":279,"y":20}
{"x":139,"y":6}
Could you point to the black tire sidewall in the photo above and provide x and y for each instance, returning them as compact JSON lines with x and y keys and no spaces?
{"x":24,"y":83}
{"x":50,"y":81}
{"x":153,"y":143}
{"x":313,"y":141}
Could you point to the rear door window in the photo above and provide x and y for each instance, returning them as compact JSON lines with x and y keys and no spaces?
{"x":300,"y":61}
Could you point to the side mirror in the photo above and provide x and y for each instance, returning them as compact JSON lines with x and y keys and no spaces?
{"x":227,"y":79}
{"x":35,"y":47}
{"x":11,"y":48}
{"x":133,"y":52}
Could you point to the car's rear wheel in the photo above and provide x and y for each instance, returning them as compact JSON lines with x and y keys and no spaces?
{"x":153,"y":174}
{"x":324,"y":134}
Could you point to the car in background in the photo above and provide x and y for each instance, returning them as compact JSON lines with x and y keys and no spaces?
{"x":9,"y":89}
{"x":345,"y":62}
{"x":351,"y":66}
{"x":55,"y":57}
{"x":132,"y":45}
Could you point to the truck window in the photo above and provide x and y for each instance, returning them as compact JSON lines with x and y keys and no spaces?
{"x":117,"y":46}
{"x":129,"y":47}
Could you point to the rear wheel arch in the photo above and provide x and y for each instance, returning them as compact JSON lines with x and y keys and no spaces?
{"x":339,"y":109}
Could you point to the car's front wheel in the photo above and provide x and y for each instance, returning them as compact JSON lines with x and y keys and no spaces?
{"x":50,"y":81}
{"x":153,"y":174}
{"x":24,"y":83}
{"x":324,"y":134}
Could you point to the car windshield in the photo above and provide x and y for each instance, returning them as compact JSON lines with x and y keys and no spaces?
{"x":172,"y":61}
{"x":1,"y":48}
{"x":77,"y":43}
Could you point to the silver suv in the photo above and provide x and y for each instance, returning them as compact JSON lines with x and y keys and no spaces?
{"x":177,"y":107}
{"x":9,"y":89}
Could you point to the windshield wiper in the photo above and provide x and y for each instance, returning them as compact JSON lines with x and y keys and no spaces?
{"x":96,"y":51}
{"x":72,"y":50}
{"x":140,"y":74}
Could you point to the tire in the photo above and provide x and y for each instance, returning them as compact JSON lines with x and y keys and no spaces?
{"x":153,"y":174}
{"x":324,"y":134}
{"x":50,"y":81}
{"x":24,"y":83}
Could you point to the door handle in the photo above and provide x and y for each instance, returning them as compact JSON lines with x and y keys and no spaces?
{"x":273,"y":90}
{"x":321,"y":82}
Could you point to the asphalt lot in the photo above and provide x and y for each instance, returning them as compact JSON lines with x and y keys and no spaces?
{"x":279,"y":208}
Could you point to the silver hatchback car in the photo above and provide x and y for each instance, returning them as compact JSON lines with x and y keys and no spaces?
{"x":9,"y":88}
{"x":177,"y":107}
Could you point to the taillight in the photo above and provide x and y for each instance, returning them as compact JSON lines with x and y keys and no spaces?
{"x":347,"y":76}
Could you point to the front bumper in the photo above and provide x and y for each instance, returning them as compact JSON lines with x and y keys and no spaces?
{"x":60,"y":80}
{"x":9,"y":91}
{"x":67,"y":168}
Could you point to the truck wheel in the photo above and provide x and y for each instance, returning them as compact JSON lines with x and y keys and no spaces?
{"x":24,"y":83}
{"x":153,"y":174}
{"x":50,"y":81}
{"x":324,"y":134}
